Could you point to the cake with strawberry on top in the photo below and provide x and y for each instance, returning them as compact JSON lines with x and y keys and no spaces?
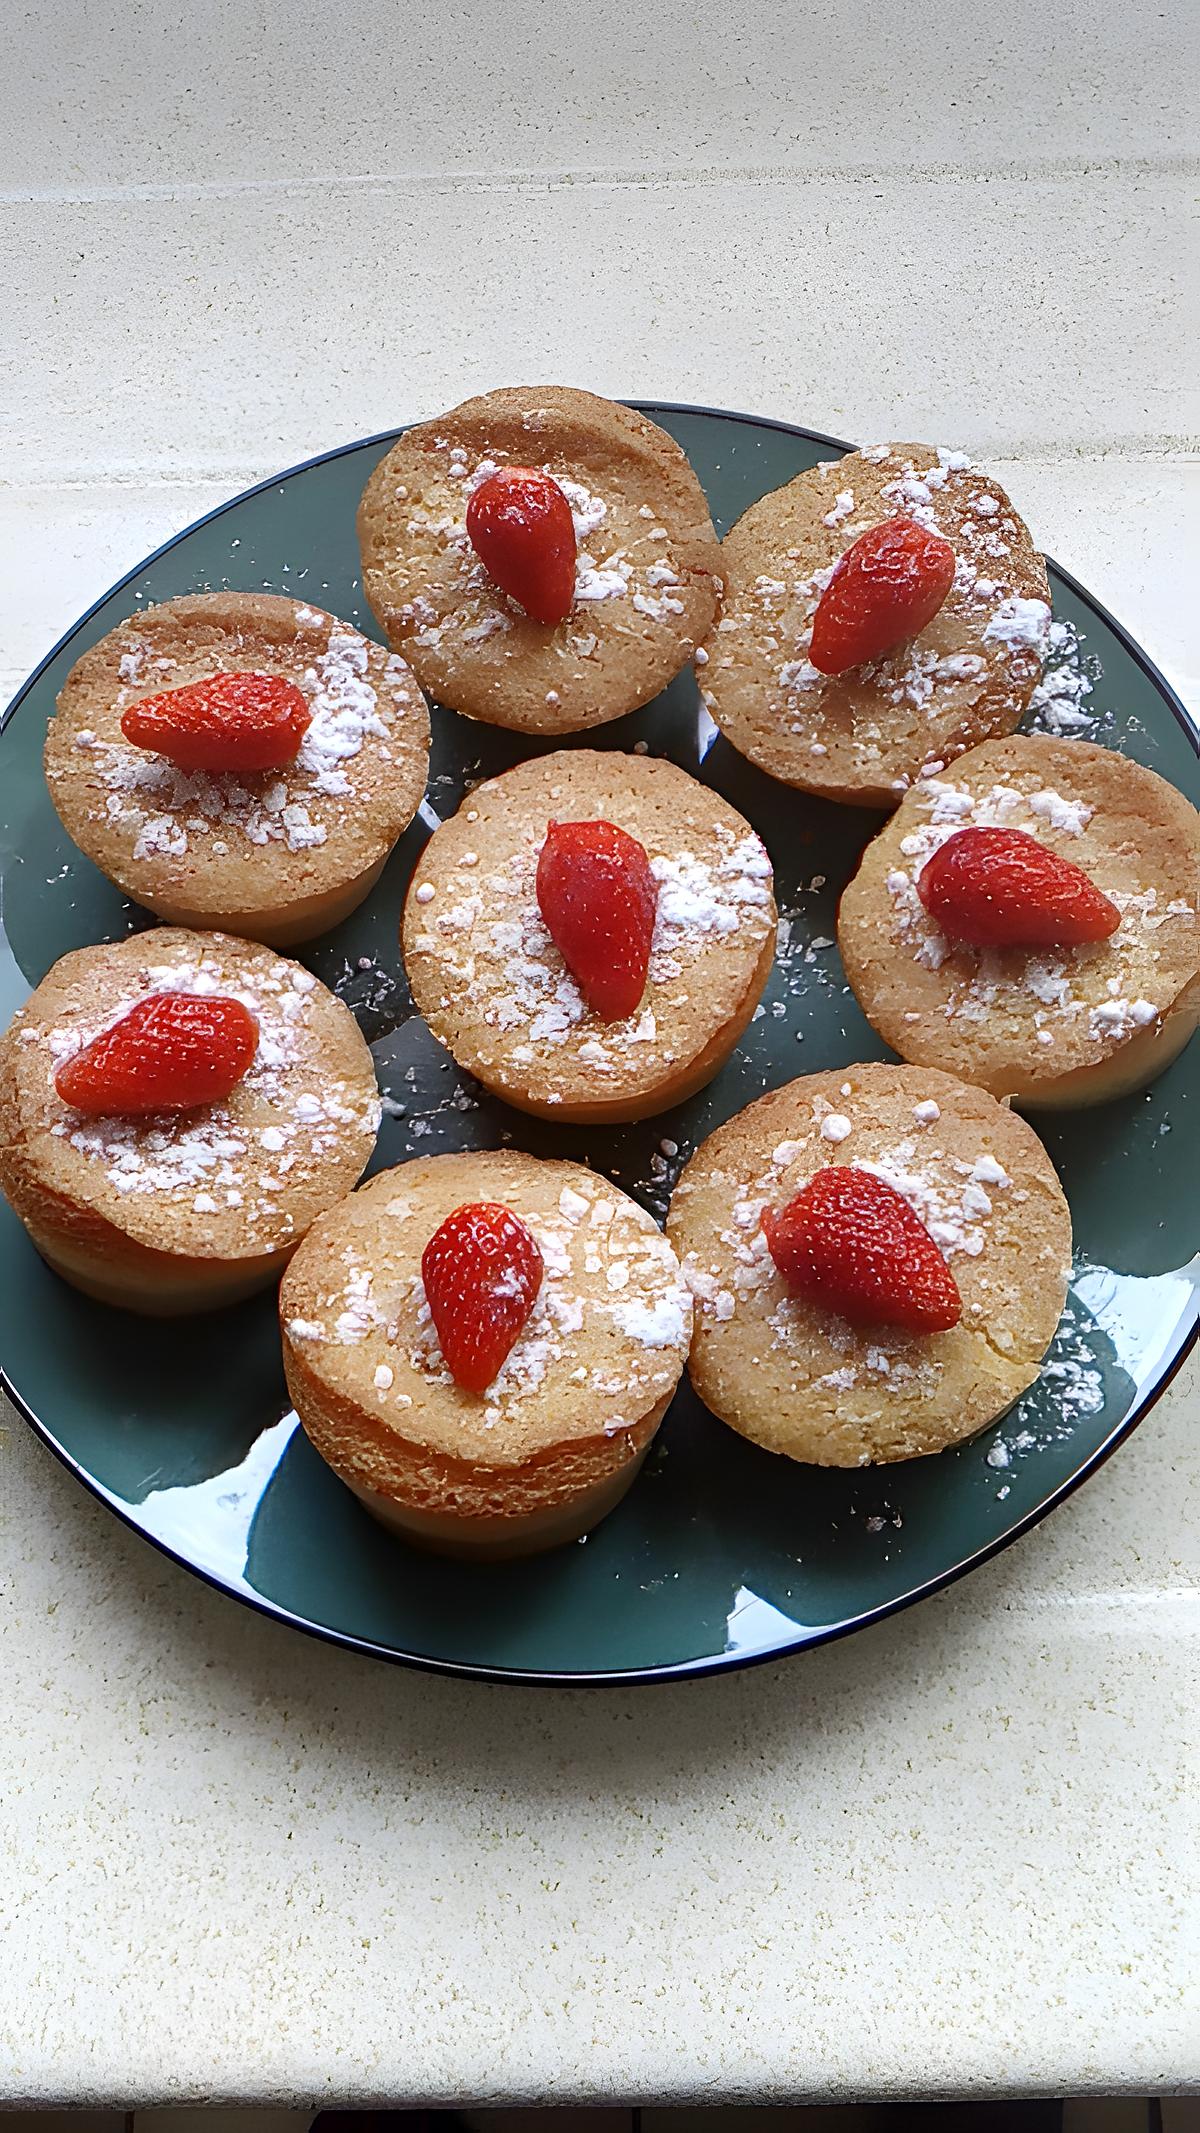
{"x":590,"y":934}
{"x":1028,"y":919}
{"x":239,"y":760}
{"x":878,"y":1257}
{"x":882,"y":612}
{"x":483,"y":1346}
{"x":543,"y":558}
{"x":175,"y":1110}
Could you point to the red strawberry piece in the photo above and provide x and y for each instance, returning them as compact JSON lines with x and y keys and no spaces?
{"x":172,"y":1052}
{"x":519,"y":524}
{"x":849,"y":1240}
{"x":482,"y":1271}
{"x":598,"y":897}
{"x":228,"y":722}
{"x":1001,"y":888}
{"x":890,"y":582}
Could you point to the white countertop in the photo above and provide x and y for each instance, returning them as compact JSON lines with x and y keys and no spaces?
{"x":944,"y":1856}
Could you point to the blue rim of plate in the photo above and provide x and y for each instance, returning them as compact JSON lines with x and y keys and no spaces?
{"x":1148,"y":1392}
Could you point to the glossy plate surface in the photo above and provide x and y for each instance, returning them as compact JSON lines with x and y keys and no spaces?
{"x":721,"y":1554}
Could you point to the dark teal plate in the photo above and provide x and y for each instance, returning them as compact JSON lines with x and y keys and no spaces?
{"x":721,"y":1554}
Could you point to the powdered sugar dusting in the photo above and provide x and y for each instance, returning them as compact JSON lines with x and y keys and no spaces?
{"x":665,"y":1323}
{"x":1069,"y":1390}
{"x":1021,"y":626}
{"x":957,"y":1198}
{"x":843,"y":507}
{"x":604,"y":573}
{"x":1005,"y":627}
{"x":1069,"y":817}
{"x":345,"y":710}
{"x":1088,"y":985}
{"x":224,"y":1156}
{"x":588,"y":512}
{"x":954,"y":1199}
{"x":1059,"y":703}
{"x":169,"y":812}
{"x":606,"y":1263}
{"x":1117,"y":1018}
{"x":161,"y":837}
{"x":492,"y":944}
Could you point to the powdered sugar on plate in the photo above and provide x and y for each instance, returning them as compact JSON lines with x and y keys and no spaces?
{"x":1059,"y":704}
{"x":1070,"y":1390}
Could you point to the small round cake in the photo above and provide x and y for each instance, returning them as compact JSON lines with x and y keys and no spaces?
{"x":496,"y":991}
{"x":553,"y":1442}
{"x":862,"y":735}
{"x":279,"y":854}
{"x":800,"y":1378}
{"x":186,"y":1208}
{"x":648,"y":564}
{"x":1042,"y":1024}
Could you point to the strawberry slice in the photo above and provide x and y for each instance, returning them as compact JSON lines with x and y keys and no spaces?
{"x":172,"y":1052}
{"x":519,"y":524}
{"x":889,"y":583}
{"x":1001,"y":888}
{"x":598,"y":897}
{"x":227,"y":722}
{"x":482,"y":1271}
{"x":849,"y":1240}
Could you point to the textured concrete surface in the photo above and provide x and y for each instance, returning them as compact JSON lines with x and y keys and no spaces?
{"x":941,"y":1858}
{"x":949,"y":1856}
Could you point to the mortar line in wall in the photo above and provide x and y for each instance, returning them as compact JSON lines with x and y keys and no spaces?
{"x":1038,"y":169}
{"x":1175,"y":452}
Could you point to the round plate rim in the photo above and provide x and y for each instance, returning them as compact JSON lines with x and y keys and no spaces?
{"x":687,"y":1669}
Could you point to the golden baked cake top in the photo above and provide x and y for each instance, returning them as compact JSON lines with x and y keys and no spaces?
{"x":603,"y":1343}
{"x":647,"y":568}
{"x":491,"y":982}
{"x":1136,"y":838}
{"x":230,"y":1179}
{"x":864,"y":734}
{"x":796,"y":1376}
{"x":239,"y":839}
